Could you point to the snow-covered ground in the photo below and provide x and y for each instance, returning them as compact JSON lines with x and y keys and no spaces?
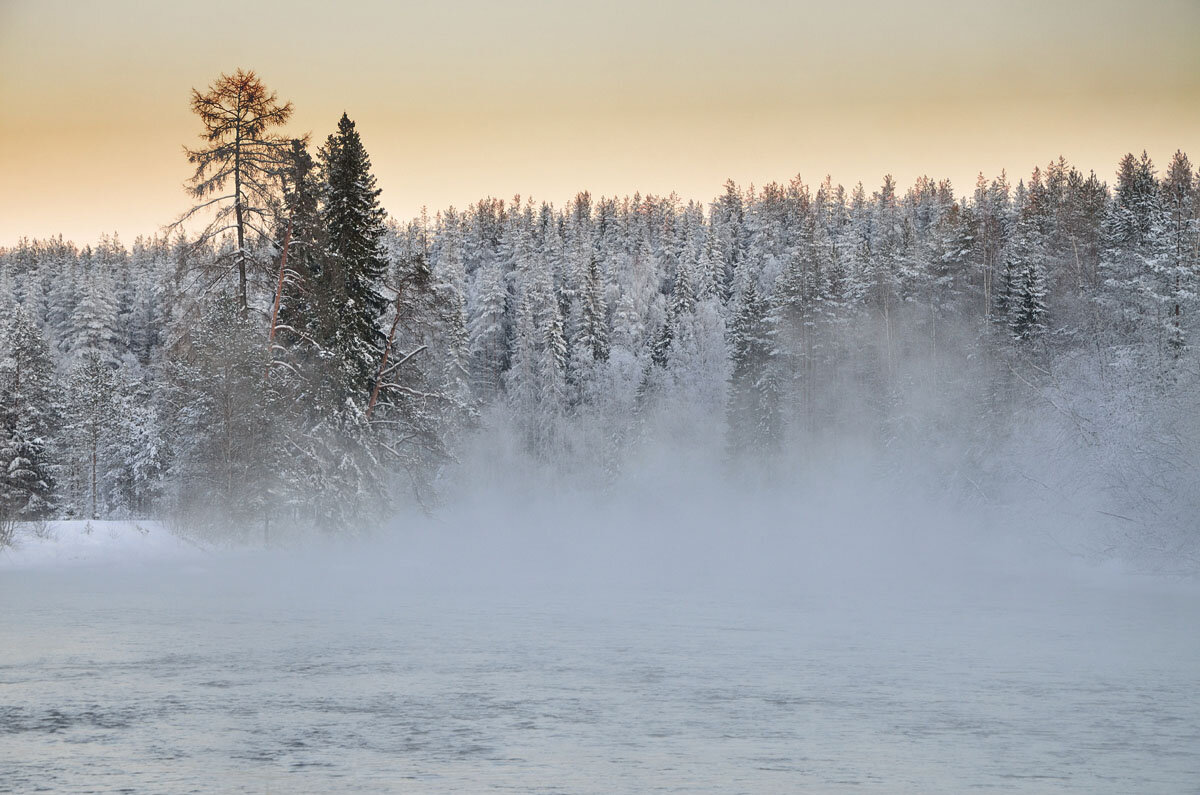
{"x":96,"y":542}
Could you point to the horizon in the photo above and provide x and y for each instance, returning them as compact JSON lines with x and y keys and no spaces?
{"x":459,"y":103}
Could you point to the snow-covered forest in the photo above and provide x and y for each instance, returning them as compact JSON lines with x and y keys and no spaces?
{"x":289,"y":358}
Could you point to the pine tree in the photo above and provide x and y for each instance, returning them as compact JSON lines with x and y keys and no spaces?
{"x":420,"y":390}
{"x":730,"y":238}
{"x":487,"y":326}
{"x":1027,"y":309}
{"x":138,"y":453}
{"x":698,"y":367}
{"x":91,"y":412}
{"x":552,"y":363}
{"x":348,"y":290}
{"x":450,"y":281}
{"x":537,"y":379}
{"x":94,"y":322}
{"x":150,"y":265}
{"x":1179,"y":272}
{"x":1131,"y":249}
{"x":753,"y":401}
{"x":1024,"y":291}
{"x":683,"y":301}
{"x":991,"y":222}
{"x":594,"y":328}
{"x":791,"y":322}
{"x":521,"y":380}
{"x":30,"y":421}
{"x":455,"y":381}
{"x":295,"y":335}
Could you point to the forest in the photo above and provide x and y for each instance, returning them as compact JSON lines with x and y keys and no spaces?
{"x":287,"y":358}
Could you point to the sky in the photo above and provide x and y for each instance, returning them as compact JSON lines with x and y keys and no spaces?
{"x":457,"y":101}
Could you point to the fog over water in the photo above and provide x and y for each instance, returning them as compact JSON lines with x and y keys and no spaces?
{"x":683,"y":627}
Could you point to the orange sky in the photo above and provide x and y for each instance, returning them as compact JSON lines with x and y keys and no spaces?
{"x":460,"y":100}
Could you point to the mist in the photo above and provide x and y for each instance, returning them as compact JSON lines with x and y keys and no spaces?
{"x":854,"y":614}
{"x":841,"y":619}
{"x":939,"y":496}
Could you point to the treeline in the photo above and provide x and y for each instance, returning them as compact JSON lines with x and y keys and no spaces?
{"x":303,"y":359}
{"x":276,"y":367}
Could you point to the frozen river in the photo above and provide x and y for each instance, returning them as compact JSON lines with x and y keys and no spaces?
{"x":273,"y":677}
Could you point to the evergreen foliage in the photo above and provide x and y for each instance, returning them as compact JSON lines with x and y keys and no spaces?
{"x":350,"y":301}
{"x":30,"y":422}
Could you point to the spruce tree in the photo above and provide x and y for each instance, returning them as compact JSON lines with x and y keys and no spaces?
{"x":1025,"y":286}
{"x":94,"y":323}
{"x":594,"y":327}
{"x":487,"y":326}
{"x":683,"y":302}
{"x":354,"y":264}
{"x":1179,"y":270}
{"x":522,"y":378}
{"x":1027,"y":309}
{"x":149,"y":263}
{"x":753,"y":404}
{"x":91,"y":411}
{"x":29,"y":421}
{"x":1130,"y":252}
{"x":138,"y":453}
{"x":297,"y":326}
{"x":448,"y":288}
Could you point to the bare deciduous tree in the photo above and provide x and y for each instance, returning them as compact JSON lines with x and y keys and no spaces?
{"x":237,"y":111}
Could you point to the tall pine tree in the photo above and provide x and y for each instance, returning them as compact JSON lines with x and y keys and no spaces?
{"x":349,"y":297}
{"x":29,"y":421}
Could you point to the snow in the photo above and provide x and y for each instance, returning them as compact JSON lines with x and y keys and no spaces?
{"x":95,"y":543}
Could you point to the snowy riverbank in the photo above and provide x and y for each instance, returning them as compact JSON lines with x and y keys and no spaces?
{"x":83,"y":542}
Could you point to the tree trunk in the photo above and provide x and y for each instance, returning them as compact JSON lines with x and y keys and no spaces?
{"x":237,"y":211}
{"x":95,"y":443}
{"x":387,"y":351}
{"x":287,"y":240}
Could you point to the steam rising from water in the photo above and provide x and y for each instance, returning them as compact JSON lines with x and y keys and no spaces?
{"x":682,"y":625}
